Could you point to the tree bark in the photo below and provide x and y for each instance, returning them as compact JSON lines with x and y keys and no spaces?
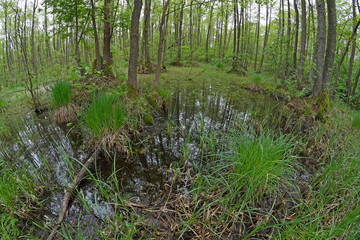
{"x":134,"y":48}
{"x":97,"y":45}
{"x":296,"y":33}
{"x":267,"y":30}
{"x":107,"y":33}
{"x":352,"y":56}
{"x":47,"y":38}
{"x":208,"y":34}
{"x":190,"y":31}
{"x":257,"y":37}
{"x":145,"y":42}
{"x":162,"y":37}
{"x":343,"y":57}
{"x":32,"y":42}
{"x":319,"y":47}
{"x":303,"y":42}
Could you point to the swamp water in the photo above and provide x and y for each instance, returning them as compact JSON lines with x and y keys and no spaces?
{"x":44,"y":147}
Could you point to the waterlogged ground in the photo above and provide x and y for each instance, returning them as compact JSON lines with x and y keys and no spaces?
{"x":49,"y":150}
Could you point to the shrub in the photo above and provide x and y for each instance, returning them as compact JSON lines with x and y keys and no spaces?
{"x":104,"y":114}
{"x":61,"y":94}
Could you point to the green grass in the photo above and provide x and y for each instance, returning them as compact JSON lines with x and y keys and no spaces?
{"x":261,"y":161}
{"x":61,"y":94}
{"x":164,"y":93}
{"x":104,"y":114}
{"x":356,"y":121}
{"x":256,"y":78}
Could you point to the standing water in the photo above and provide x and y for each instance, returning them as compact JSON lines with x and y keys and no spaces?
{"x":51,"y":149}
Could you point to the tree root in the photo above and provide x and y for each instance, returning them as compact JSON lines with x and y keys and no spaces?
{"x":69,"y":191}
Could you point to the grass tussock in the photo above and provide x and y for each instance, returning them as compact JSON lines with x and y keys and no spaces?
{"x":260,"y":162}
{"x":105,"y":114}
{"x":61,"y":94}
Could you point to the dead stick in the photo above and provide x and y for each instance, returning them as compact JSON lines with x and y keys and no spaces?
{"x":69,"y":191}
{"x":191,"y":78}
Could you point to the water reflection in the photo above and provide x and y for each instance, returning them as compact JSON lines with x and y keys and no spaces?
{"x":40,"y":142}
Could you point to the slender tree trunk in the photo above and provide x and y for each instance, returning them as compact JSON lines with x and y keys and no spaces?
{"x":107,"y":33}
{"x":32,"y":42}
{"x":288,"y":40}
{"x":47,"y":38}
{"x":296,"y":33}
{"x":134,"y":48}
{"x":162,"y":37}
{"x":7,"y":48}
{"x":226,"y":31}
{"x":146,"y":33}
{"x":257,"y":38}
{"x":190,"y":31}
{"x":352,"y":56}
{"x":343,"y":57}
{"x":180,"y":31}
{"x":98,"y":64}
{"x":267,"y":31}
{"x":208,"y":34}
{"x":303,"y":42}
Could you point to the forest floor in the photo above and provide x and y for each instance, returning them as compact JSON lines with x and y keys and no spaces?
{"x":264,"y":178}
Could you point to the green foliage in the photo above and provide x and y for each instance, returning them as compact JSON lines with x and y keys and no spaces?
{"x":356,"y":121}
{"x":164,"y":93}
{"x":104,"y":114}
{"x":260,"y":162}
{"x":61,"y":94}
{"x":256,"y":78}
{"x":8,"y":228}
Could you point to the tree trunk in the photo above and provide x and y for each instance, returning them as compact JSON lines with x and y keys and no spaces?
{"x":319,"y":48}
{"x":208,"y":34}
{"x":352,"y":56}
{"x":303,"y":42}
{"x":47,"y":38}
{"x":225,"y":34}
{"x":180,"y":32}
{"x":7,"y":47}
{"x":296,"y":33}
{"x":146,"y":29}
{"x":162,"y":37}
{"x":318,"y":57}
{"x":257,"y":38}
{"x":267,"y":31}
{"x":190,"y":31}
{"x":32,"y":42}
{"x":343,"y":57}
{"x":288,"y":40}
{"x":98,"y":64}
{"x":331,"y":46}
{"x":134,"y":48}
{"x":107,"y":33}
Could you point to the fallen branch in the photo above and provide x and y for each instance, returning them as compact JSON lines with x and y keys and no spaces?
{"x":69,"y":191}
{"x":11,"y":93}
{"x":191,"y":78}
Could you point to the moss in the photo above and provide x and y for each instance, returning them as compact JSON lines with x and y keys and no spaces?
{"x":322,"y":102}
{"x":131,"y":91}
{"x":148,"y":119}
